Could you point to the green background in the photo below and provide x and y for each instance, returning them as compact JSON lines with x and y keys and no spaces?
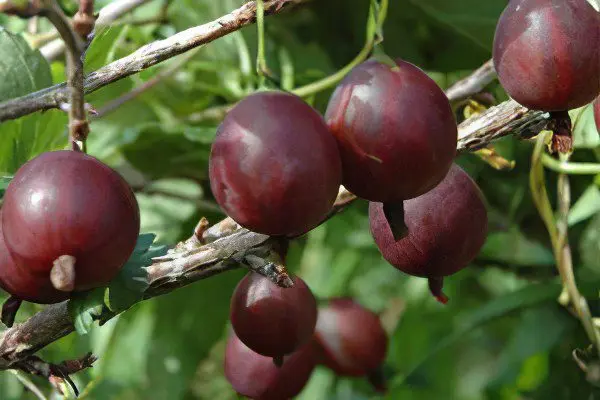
{"x":502,"y":336}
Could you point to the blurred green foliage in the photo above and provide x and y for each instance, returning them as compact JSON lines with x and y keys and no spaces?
{"x":502,"y":336}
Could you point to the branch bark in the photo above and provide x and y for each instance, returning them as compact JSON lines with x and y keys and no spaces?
{"x":106,"y":16}
{"x":143,"y":58}
{"x":225,"y":245}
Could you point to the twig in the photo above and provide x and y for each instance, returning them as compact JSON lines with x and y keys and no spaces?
{"x":558,"y":232}
{"x":145,"y":57}
{"x":149,"y":84}
{"x":106,"y":16}
{"x":84,"y":19}
{"x":474,"y":83}
{"x":29,"y":385}
{"x":570,"y":168}
{"x":57,"y":374}
{"x":226,"y":244}
{"x":78,"y":125}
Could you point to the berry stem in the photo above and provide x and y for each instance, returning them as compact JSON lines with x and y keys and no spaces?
{"x":261,"y":61}
{"x":374,"y":24}
{"x":394,"y":214}
{"x":557,"y":228}
{"x":9,"y":310}
{"x":78,"y":124}
{"x":570,"y":168}
{"x":435,"y":286}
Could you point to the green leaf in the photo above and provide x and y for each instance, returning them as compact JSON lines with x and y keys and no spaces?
{"x":586,"y":206}
{"x":526,"y":340}
{"x":4,"y":181}
{"x":85,"y":308}
{"x":585,"y":133}
{"x":473,"y":19}
{"x":514,"y":248}
{"x":589,"y":245}
{"x":23,"y":71}
{"x":184,"y":157}
{"x":128,"y":287}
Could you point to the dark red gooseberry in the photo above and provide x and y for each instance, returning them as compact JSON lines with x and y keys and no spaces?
{"x":353,"y":340}
{"x":446,"y":229}
{"x":67,"y":203}
{"x":547,"y":53}
{"x":24,"y":284}
{"x":395,"y":130}
{"x":257,"y":377}
{"x":274,"y":168}
{"x":271,"y":320}
{"x":597,"y":113}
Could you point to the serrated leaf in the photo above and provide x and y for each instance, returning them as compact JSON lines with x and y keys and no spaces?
{"x":128,"y":287}
{"x":23,"y":70}
{"x":85,"y":308}
{"x":586,"y":206}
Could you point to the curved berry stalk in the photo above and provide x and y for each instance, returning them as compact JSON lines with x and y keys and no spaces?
{"x":353,"y":340}
{"x":257,"y":377}
{"x":68,"y":220}
{"x":271,"y":320}
{"x":447,"y":227}
{"x":543,"y":53}
{"x":274,"y":168}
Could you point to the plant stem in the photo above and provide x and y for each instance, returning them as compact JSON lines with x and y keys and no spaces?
{"x":373,"y":26}
{"x":261,"y":60}
{"x":558,"y":231}
{"x":78,"y":125}
{"x":569,"y":168}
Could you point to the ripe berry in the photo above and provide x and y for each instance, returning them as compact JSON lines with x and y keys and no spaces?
{"x":271,"y":320}
{"x":257,"y":377}
{"x":446,"y":229}
{"x":547,"y":55}
{"x":274,"y":167}
{"x":395,"y":130}
{"x":352,"y":338}
{"x":24,"y":284}
{"x":67,"y":204}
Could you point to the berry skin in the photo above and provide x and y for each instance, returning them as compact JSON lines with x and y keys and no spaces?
{"x":67,"y":203}
{"x":395,"y":130}
{"x":271,"y":320}
{"x":353,"y":340}
{"x":274,"y":168}
{"x":446,"y":229}
{"x":24,"y":284}
{"x":547,"y":55}
{"x":257,"y":377}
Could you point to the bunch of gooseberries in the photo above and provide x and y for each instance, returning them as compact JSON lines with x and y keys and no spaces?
{"x":389,"y":135}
